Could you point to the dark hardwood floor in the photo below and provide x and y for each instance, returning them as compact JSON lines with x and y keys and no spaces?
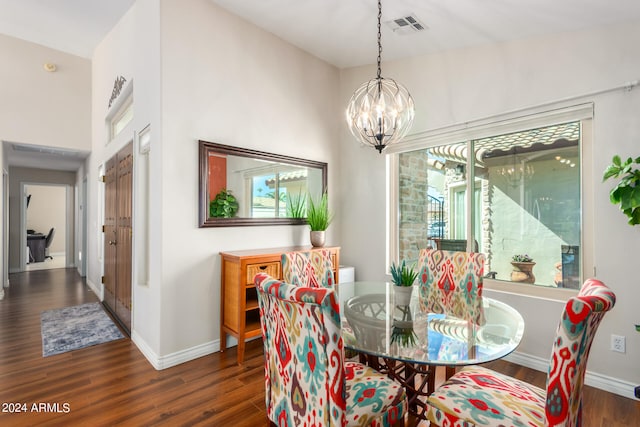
{"x":113,"y":384}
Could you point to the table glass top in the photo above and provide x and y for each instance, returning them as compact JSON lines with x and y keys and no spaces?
{"x":375,"y":320}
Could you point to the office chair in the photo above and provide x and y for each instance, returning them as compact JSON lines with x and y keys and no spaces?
{"x":47,"y":243}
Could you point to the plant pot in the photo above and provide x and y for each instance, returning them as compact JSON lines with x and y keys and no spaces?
{"x":317,"y":238}
{"x":402,"y":295}
{"x":523,"y":272}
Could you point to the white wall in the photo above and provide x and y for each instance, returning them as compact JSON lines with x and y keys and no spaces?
{"x":42,"y":108}
{"x":228,"y":82}
{"x":462,"y":85}
{"x":130,"y":50}
{"x":210,"y":76}
{"x":39,"y":107}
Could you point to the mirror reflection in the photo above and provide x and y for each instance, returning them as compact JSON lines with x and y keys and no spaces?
{"x":249,"y":187}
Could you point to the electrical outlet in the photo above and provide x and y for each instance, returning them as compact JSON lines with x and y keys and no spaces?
{"x":618,"y":343}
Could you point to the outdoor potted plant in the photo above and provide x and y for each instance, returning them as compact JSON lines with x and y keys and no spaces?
{"x":318,"y":217}
{"x":224,"y":205}
{"x":522,"y":269}
{"x":403,"y":277}
{"x":627,"y":192}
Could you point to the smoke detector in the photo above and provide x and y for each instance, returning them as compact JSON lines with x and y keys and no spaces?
{"x":406,"y":25}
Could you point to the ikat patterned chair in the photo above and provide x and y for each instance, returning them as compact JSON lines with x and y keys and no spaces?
{"x":477,"y":396}
{"x":307,"y":381}
{"x":308,"y":268}
{"x":451,"y":283}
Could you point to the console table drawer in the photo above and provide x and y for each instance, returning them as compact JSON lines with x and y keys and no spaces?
{"x":271,"y":268}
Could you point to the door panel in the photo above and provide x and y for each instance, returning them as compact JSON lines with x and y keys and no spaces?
{"x":110,"y":194}
{"x":124,"y":232}
{"x":118,"y":234}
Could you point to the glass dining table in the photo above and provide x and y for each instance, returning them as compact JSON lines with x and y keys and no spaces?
{"x":391,"y":333}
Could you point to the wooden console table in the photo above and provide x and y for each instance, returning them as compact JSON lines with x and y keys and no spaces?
{"x":239,"y":311}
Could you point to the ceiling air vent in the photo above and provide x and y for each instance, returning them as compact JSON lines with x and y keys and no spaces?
{"x":406,"y":25}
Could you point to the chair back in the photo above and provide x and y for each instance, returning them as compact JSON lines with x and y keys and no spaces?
{"x":49,"y":238}
{"x":308,"y":268}
{"x":451,"y":283}
{"x":304,"y":364}
{"x":580,"y":319}
{"x":459,"y":245}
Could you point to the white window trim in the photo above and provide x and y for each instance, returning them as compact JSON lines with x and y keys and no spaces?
{"x":497,"y":125}
{"x":118,"y":109}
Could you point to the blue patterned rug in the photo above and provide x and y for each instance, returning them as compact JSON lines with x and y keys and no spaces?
{"x":72,"y":328}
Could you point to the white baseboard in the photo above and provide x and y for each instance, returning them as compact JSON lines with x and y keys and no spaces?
{"x":98,"y":290}
{"x":174,"y":359}
{"x":612,"y":385}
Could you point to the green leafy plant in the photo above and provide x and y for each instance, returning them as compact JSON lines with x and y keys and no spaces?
{"x":403,"y":275}
{"x":224,"y":205}
{"x":296,"y":205}
{"x":318,"y":214}
{"x":521,"y":258}
{"x":627,"y":192}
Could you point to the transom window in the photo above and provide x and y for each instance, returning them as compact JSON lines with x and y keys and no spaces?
{"x":526,"y":200}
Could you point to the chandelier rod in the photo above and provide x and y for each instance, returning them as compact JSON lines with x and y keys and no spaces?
{"x":379,"y":39}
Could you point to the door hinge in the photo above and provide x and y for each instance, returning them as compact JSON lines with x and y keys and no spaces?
{"x":102,"y":279}
{"x":103,"y":178}
{"x":103,"y":228}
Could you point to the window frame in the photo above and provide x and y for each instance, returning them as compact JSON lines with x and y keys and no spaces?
{"x":494,"y":126}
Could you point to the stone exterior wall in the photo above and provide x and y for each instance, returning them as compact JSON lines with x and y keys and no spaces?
{"x":413,"y":203}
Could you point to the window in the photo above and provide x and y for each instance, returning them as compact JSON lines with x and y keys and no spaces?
{"x":526,"y":198}
{"x":122,"y":117}
{"x":273,"y":192}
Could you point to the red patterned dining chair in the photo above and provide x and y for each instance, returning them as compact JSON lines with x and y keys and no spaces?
{"x":307,"y":381}
{"x":311,"y":268}
{"x":477,"y":396}
{"x":451,"y":283}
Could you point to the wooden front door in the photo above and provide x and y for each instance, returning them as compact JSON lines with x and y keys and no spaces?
{"x":118,"y":234}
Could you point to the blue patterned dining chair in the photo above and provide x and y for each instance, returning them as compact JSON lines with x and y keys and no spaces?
{"x":478,"y":396}
{"x":307,"y":381}
{"x":311,"y":268}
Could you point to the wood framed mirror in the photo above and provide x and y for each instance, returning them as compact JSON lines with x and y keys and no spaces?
{"x":250,"y":187}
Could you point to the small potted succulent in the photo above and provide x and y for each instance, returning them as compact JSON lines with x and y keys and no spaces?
{"x":522,"y":269}
{"x":403,"y":277}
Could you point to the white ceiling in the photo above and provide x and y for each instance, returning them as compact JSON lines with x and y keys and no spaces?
{"x":342,"y":32}
{"x":72,"y":26}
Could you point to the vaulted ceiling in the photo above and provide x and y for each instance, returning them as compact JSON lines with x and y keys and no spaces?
{"x":342,"y":32}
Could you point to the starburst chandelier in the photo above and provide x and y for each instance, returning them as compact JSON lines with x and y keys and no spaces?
{"x":380,"y":111}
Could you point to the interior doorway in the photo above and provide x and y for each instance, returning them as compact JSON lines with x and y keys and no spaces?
{"x":47,"y":226}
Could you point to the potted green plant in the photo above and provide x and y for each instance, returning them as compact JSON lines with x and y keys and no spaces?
{"x":403,"y":277}
{"x":627,"y":192}
{"x":224,"y":205}
{"x":522,"y":269}
{"x":318,"y":217}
